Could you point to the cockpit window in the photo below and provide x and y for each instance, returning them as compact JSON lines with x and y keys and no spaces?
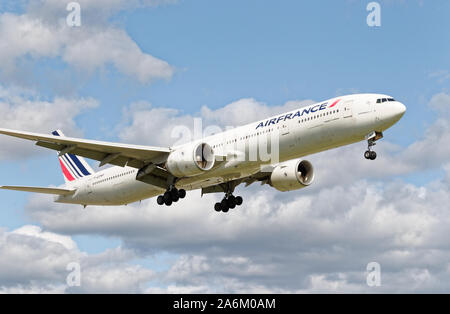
{"x":380,"y":100}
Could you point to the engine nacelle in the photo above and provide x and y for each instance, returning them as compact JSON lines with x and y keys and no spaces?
{"x":190,"y":161}
{"x":292,"y":175}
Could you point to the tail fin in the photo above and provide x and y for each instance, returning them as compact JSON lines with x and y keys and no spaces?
{"x":73,"y":167}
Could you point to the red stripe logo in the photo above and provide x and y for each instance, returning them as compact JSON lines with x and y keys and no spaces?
{"x":66,"y":172}
{"x":335,"y":103}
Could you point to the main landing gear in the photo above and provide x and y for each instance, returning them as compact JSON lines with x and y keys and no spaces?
{"x":229,"y":202}
{"x":172,"y":195}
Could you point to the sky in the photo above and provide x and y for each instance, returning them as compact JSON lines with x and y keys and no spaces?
{"x":134,"y":70}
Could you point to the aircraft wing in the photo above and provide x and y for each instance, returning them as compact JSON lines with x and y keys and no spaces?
{"x":106,"y":152}
{"x":54,"y":191}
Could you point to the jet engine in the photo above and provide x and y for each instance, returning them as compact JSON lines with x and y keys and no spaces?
{"x":190,"y":160}
{"x":292,"y":175}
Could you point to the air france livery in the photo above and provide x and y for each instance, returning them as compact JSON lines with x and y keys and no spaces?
{"x":270,"y":151}
{"x":299,"y":113}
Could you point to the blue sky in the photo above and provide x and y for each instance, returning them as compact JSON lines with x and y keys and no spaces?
{"x":273,"y":52}
{"x":276,"y":52}
{"x":224,"y":51}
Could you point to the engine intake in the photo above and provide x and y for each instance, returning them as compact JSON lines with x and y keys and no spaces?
{"x":190,"y":161}
{"x":292,"y":175}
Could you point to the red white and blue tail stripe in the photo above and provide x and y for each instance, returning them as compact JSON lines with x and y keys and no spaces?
{"x":73,"y":167}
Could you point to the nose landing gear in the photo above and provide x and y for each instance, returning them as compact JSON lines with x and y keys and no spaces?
{"x":371,"y":139}
{"x":370,"y":154}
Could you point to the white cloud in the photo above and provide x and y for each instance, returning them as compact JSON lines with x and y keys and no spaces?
{"x":401,"y":226}
{"x":317,"y":239}
{"x":26,"y":112}
{"x":95,"y":48}
{"x":95,"y":11}
{"x":136,"y":129}
{"x":42,"y":32}
{"x":28,"y":257}
{"x":174,"y":289}
{"x":247,"y":110}
{"x":113,"y":279}
{"x":35,"y":231}
{"x":36,"y":288}
{"x":35,"y":261}
{"x":441,"y":103}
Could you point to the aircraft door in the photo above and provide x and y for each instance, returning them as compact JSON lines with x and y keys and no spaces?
{"x":287,"y":140}
{"x":347,"y":109}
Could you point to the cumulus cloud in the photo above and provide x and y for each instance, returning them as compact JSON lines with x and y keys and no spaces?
{"x":441,"y":103}
{"x":93,"y":9}
{"x":290,"y":242}
{"x":275,"y":242}
{"x":42,"y":32}
{"x":25,"y":111}
{"x":165,"y":121}
{"x":113,"y":279}
{"x":36,"y":232}
{"x":295,"y":242}
{"x":29,"y":257}
{"x":33,"y":260}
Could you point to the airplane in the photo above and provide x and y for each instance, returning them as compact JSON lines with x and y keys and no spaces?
{"x":217,"y":163}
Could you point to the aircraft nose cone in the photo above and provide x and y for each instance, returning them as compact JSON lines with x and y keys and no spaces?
{"x":399,"y":109}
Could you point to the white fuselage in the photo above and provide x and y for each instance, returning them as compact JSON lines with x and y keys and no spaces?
{"x":298,"y":133}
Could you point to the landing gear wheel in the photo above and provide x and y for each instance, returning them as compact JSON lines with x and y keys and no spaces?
{"x":218,"y":207}
{"x":174,"y":194}
{"x":182,"y":193}
{"x":167,"y":197}
{"x":231,"y":201}
{"x":160,"y":200}
{"x":239,"y":200}
{"x":371,"y":155}
{"x":224,"y":206}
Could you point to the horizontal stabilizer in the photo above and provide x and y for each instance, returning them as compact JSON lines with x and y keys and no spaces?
{"x":54,"y":191}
